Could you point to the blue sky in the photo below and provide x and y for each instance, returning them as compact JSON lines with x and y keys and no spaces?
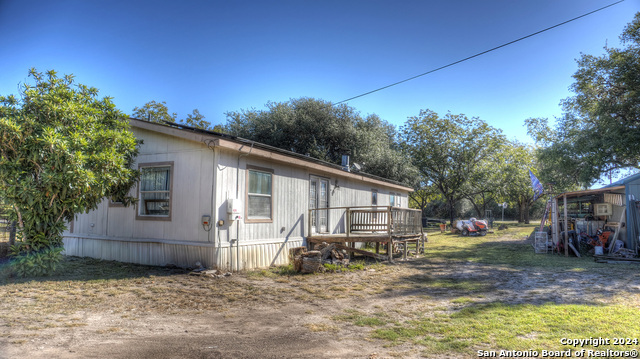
{"x":220,"y":56}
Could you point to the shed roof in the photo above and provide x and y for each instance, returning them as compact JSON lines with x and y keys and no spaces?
{"x":260,"y":149}
{"x":615,"y":186}
{"x":590,"y":191}
{"x":624,"y":181}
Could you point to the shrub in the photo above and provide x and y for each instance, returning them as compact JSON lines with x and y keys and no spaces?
{"x":4,"y":249}
{"x":35,"y":263}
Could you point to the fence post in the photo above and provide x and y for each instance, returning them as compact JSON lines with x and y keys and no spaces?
{"x":309,"y":246}
{"x":348,"y":222}
{"x":389,"y":220}
{"x":12,"y":233}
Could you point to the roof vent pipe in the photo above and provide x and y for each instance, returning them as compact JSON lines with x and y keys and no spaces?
{"x":345,"y":163}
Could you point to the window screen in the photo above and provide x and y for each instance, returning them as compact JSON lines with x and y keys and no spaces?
{"x":259,"y":195}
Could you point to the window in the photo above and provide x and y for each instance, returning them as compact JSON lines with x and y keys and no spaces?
{"x":392,"y":199}
{"x":374,"y":197}
{"x":259,"y":195}
{"x":155,"y":191}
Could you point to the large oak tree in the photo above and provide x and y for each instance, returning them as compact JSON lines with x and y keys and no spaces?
{"x":601,"y":124}
{"x":449,"y":152}
{"x":321,"y":130}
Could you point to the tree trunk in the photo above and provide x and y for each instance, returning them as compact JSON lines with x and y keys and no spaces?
{"x":311,"y":264}
{"x":475,"y":207}
{"x":521,"y":210}
{"x":484,"y":206}
{"x":527,"y":207}
{"x":12,"y":233}
{"x":478,"y":210}
{"x":295,"y":252}
{"x":421,"y":202}
{"x":452,"y":206}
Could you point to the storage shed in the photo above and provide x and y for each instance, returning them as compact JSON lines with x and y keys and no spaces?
{"x":223,"y":201}
{"x":614,"y":206}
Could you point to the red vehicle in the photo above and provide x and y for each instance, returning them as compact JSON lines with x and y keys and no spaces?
{"x":473,"y":227}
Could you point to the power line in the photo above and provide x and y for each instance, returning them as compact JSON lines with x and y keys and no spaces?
{"x":478,"y":54}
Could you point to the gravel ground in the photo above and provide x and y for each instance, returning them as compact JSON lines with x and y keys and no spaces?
{"x":167,"y":313}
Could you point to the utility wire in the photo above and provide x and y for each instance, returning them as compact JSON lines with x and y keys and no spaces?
{"x":476,"y":55}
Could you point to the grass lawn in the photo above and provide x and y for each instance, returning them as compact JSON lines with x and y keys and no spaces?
{"x":468,"y":322}
{"x":463,"y":295}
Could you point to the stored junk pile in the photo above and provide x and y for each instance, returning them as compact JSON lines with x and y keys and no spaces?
{"x":313,"y":261}
{"x":604,"y":223}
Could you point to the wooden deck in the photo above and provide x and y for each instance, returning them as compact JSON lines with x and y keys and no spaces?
{"x":390,"y":226}
{"x":347,"y":243}
{"x":354,"y":237}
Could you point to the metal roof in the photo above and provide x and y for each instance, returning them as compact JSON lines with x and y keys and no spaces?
{"x":624,"y":181}
{"x":270,"y":148}
{"x":615,"y":186}
{"x":590,"y":191}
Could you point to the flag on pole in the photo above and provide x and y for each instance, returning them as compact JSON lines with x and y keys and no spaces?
{"x":538,"y":190}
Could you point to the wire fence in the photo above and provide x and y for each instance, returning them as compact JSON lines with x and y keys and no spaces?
{"x":7,"y":232}
{"x":6,"y":226}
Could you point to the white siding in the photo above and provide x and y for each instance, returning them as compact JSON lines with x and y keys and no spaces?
{"x":116,"y":234}
{"x":141,"y":252}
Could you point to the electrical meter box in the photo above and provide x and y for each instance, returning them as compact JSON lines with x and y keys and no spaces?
{"x":234,"y":209}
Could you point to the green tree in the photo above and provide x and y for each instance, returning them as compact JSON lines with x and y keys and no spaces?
{"x":422,"y":197}
{"x":600,"y":128}
{"x":63,"y":151}
{"x":155,"y":112}
{"x":321,"y":130}
{"x":219,"y":128}
{"x":483,"y":186}
{"x":514,"y":162}
{"x":447,"y":151}
{"x":159,"y":112}
{"x":196,"y":119}
{"x":555,"y":160}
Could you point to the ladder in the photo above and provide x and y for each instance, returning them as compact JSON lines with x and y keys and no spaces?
{"x":546,"y":213}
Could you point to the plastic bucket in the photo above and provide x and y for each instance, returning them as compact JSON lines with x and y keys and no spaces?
{"x":599,"y":250}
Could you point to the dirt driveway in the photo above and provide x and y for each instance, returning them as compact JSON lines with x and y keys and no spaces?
{"x":113,"y":310}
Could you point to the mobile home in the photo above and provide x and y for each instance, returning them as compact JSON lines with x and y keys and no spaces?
{"x":223,"y":201}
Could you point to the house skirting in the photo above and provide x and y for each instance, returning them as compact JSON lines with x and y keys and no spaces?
{"x":254,"y":254}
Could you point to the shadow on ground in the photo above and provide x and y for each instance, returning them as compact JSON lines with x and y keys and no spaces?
{"x":86,"y":269}
{"x":510,"y":272}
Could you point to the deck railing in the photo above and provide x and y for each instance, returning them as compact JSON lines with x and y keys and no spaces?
{"x":375,"y":219}
{"x":406,"y":221}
